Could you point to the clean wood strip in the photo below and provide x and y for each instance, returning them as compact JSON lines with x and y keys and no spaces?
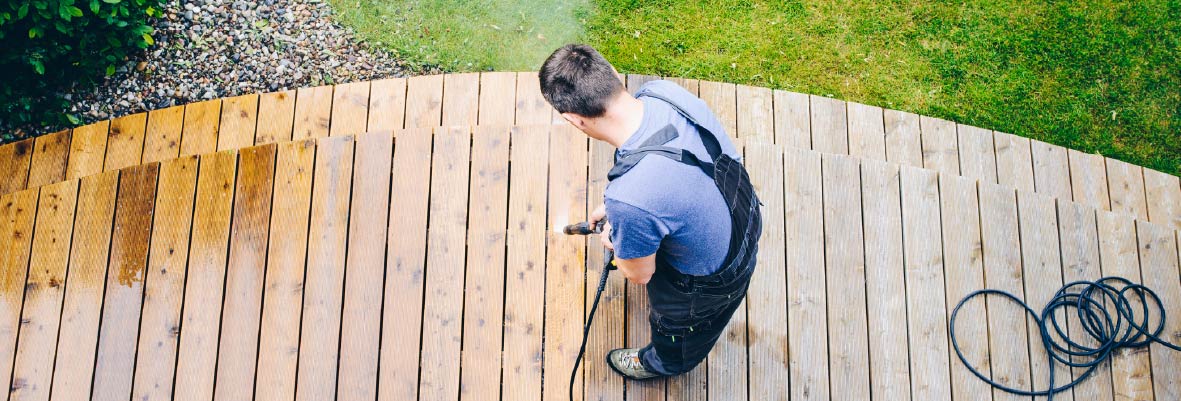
{"x":461,"y":99}
{"x":964,"y":271}
{"x":313,"y":112}
{"x":17,"y":213}
{"x":940,"y":152}
{"x":424,"y":101}
{"x":1131,"y":375}
{"x":276,"y":117}
{"x":37,"y":343}
{"x":792,"y":119}
{"x":199,"y":134}
{"x":14,"y":162}
{"x":903,"y":143}
{"x":925,"y":308}
{"x":350,"y":108}
{"x":1014,"y":161}
{"x":1003,"y":271}
{"x":1051,"y":170}
{"x":162,"y":136}
{"x":125,"y":142}
{"x":565,"y":263}
{"x":1088,"y":179}
{"x":443,"y":307}
{"x":721,"y":98}
{"x":1079,"y":241}
{"x":134,"y":207}
{"x":365,"y":267}
{"x":532,"y":107}
{"x":497,"y":89}
{"x":406,"y":258}
{"x":165,"y":280}
{"x":636,"y":81}
{"x":829,"y":125}
{"x":88,"y":147}
{"x":387,"y":104}
{"x":758,"y":116}
{"x":885,"y":286}
{"x":245,"y":273}
{"x":483,"y":301}
{"x":1158,"y":253}
{"x":239,"y":118}
{"x":1126,"y":183}
{"x":607,"y":333}
{"x":51,"y":154}
{"x":278,"y":349}
{"x":978,"y":158}
{"x":845,"y":270}
{"x":86,"y":275}
{"x":319,"y":341}
{"x":867,"y":132}
{"x":201,"y":314}
{"x":1043,"y":276}
{"x":1164,"y":198}
{"x":691,"y":85}
{"x":523,"y":309}
{"x":806,"y":299}
{"x":767,"y":294}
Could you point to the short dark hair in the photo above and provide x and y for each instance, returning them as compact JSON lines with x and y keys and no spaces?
{"x":577,"y":79}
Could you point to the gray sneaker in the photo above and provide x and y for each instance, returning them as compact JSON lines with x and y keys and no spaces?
{"x":626,"y":362}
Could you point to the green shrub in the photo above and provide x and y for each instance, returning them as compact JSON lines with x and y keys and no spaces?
{"x":50,"y":45}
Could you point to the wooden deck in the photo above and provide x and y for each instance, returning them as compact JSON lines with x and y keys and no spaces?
{"x":262,"y":247}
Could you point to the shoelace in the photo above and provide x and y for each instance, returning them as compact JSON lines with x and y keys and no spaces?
{"x":632,"y":362}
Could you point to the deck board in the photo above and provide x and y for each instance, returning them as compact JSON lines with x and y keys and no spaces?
{"x":125,"y":142}
{"x":50,"y":155}
{"x":199,"y":131}
{"x":1131,"y":373}
{"x":962,"y":251}
{"x":885,"y":286}
{"x":239,"y":121}
{"x":17,"y":214}
{"x":525,"y":268}
{"x":768,"y":293}
{"x":163,"y":134}
{"x":88,"y":147}
{"x":1079,"y":241}
{"x":15,"y":160}
{"x":845,"y":269}
{"x":926,"y":311}
{"x":565,"y":260}
{"x":806,"y":300}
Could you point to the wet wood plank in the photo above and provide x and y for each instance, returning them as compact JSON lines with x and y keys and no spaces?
{"x":15,"y":159}
{"x":867,"y":132}
{"x":1079,"y":241}
{"x":125,"y":142}
{"x":245,"y":273}
{"x":1131,"y":373}
{"x":845,"y":278}
{"x":122,"y":300}
{"x":424,"y":101}
{"x":405,"y":258}
{"x":926,"y":311}
{"x":196,"y":360}
{"x":1014,"y":161}
{"x":608,"y":331}
{"x":497,"y":91}
{"x":691,"y":85}
{"x":1003,"y":270}
{"x":1088,"y":180}
{"x":758,"y":116}
{"x":940,"y":152}
{"x":51,"y":154}
{"x":1158,"y":255}
{"x":1042,"y":264}
{"x":163,"y":134}
{"x":721,"y":98}
{"x":977,"y":153}
{"x":532,"y":108}
{"x":483,"y":300}
{"x":199,"y":134}
{"x":806,"y":300}
{"x":164,"y":281}
{"x":387,"y":104}
{"x":523,"y":309}
{"x":793,"y":119}
{"x":565,"y":293}
{"x":313,"y":113}
{"x":41,"y":315}
{"x":276,"y":117}
{"x":319,"y":340}
{"x":278,"y":349}
{"x":1126,"y":183}
{"x":767,"y":295}
{"x":964,"y":272}
{"x":461,"y":99}
{"x":903,"y":142}
{"x":239,"y":118}
{"x":830,"y":128}
{"x":88,"y":148}
{"x":1164,"y":198}
{"x":85,"y":278}
{"x":885,"y":289}
{"x":1051,"y":170}
{"x":350,"y":109}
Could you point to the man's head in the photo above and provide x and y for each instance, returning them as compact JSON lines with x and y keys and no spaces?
{"x":579,"y":83}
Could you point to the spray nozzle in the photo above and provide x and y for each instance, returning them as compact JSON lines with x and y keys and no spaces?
{"x":584,"y":228}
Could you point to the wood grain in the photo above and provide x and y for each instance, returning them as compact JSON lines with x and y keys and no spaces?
{"x":387,"y":104}
{"x":964,"y":272}
{"x":51,"y":154}
{"x":424,"y":101}
{"x":806,"y":297}
{"x":163,"y":134}
{"x":867,"y":132}
{"x":497,"y":90}
{"x":88,"y":148}
{"x":793,"y":119}
{"x":199,"y":134}
{"x":926,"y":310}
{"x":350,"y":109}
{"x":885,"y":284}
{"x":845,"y":278}
{"x":239,"y":118}
{"x":903,"y":142}
{"x":313,"y":113}
{"x":276,"y":117}
{"x":829,"y":125}
{"x":461,"y":99}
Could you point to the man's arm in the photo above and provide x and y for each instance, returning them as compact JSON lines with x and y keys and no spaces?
{"x":637,"y":270}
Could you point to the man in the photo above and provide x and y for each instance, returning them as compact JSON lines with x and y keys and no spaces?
{"x":681,"y":215}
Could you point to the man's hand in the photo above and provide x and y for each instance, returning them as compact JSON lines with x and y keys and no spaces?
{"x":600,"y":213}
{"x":605,"y":237}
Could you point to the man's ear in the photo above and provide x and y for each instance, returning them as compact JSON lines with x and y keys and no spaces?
{"x":576,"y":120}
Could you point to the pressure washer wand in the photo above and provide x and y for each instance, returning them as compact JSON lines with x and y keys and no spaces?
{"x":586,"y":228}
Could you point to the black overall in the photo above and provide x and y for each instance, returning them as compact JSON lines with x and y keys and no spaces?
{"x":689,"y":313}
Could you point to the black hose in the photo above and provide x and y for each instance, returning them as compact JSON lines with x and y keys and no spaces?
{"x":1093,"y":302}
{"x":607,"y":268}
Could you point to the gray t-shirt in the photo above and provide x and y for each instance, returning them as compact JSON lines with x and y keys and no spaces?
{"x":666,"y":207}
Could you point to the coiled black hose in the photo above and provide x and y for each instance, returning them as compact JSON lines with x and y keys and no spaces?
{"x":1106,"y":314}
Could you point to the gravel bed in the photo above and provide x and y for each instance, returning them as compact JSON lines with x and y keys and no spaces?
{"x":208,"y":49}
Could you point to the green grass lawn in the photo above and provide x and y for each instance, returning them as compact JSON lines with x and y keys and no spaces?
{"x":1099,"y":76}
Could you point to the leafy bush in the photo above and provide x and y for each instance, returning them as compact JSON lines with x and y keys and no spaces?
{"x":52,"y":44}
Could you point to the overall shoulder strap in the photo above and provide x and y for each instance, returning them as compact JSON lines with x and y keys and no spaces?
{"x":709,"y":138}
{"x":655,"y":145}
